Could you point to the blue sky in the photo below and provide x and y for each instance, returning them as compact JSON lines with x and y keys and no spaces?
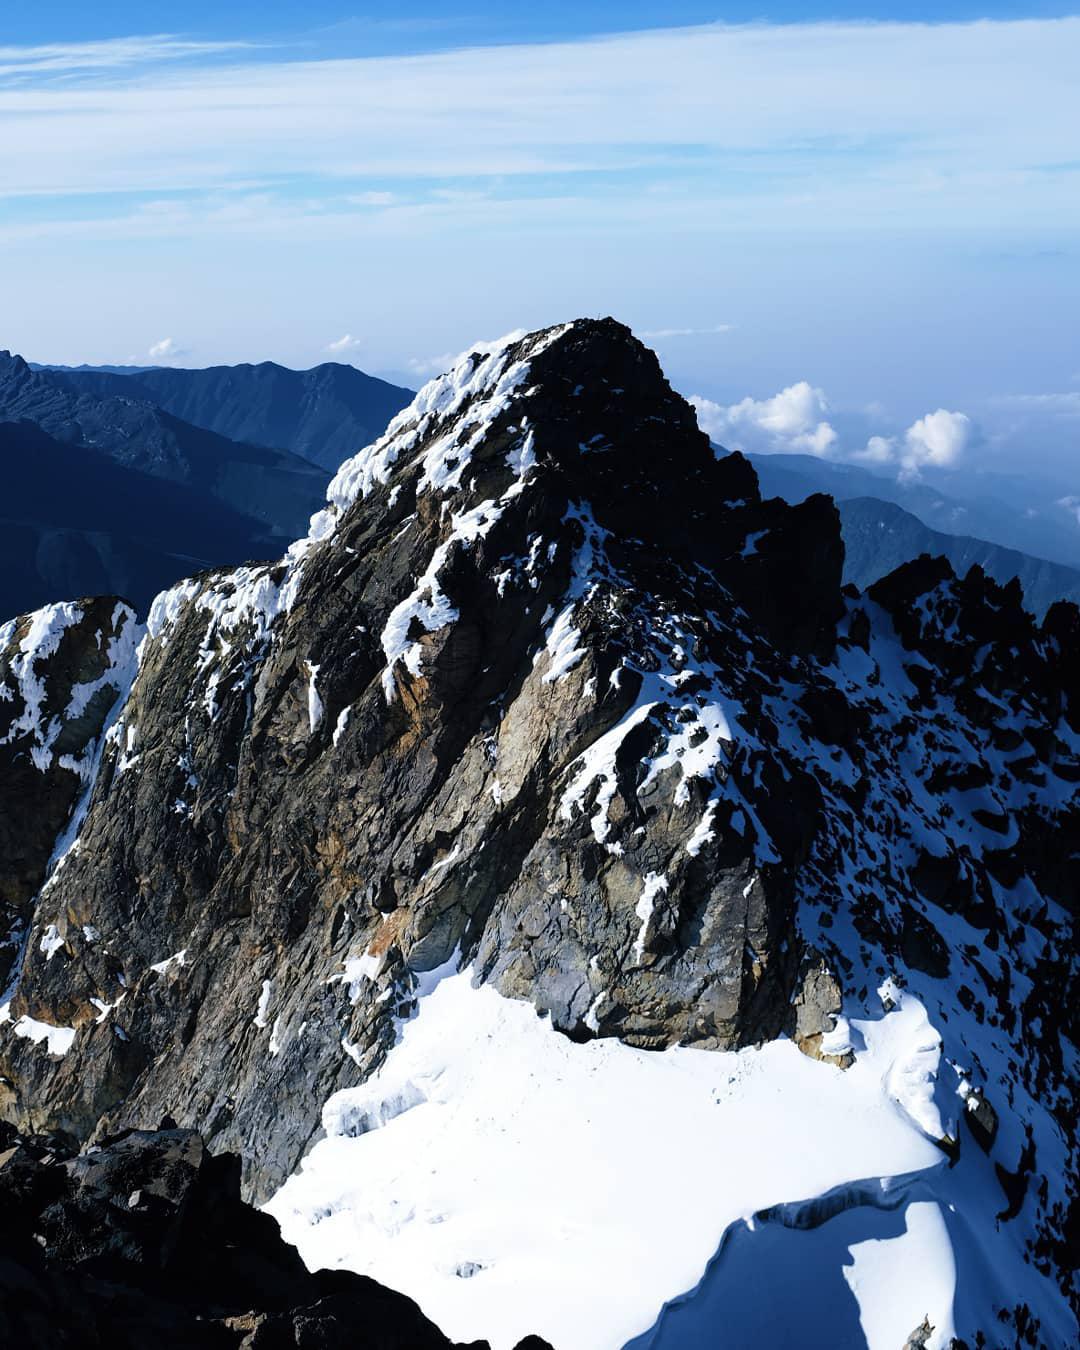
{"x":847,"y":197}
{"x":392,"y":26}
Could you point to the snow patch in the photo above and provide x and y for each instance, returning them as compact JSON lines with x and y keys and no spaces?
{"x":341,"y":723}
{"x":562,"y":646}
{"x":177,"y":959}
{"x":57,"y":1040}
{"x":598,"y":765}
{"x":51,"y":941}
{"x":263,"y":1010}
{"x":314,"y":702}
{"x":655,"y":884}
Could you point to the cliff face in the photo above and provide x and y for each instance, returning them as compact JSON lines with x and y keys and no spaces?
{"x":62,"y":671}
{"x":550,"y":689}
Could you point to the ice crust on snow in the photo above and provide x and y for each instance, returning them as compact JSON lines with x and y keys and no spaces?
{"x":513,"y":1119}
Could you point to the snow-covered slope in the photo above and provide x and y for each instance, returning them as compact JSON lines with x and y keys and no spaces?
{"x":512,"y":1180}
{"x":549,"y":687}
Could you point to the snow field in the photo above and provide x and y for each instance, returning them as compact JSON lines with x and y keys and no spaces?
{"x":512,"y":1181}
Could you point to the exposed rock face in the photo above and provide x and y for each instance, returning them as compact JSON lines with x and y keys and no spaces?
{"x":62,"y":670}
{"x":147,"y":1242}
{"x":550,"y":687}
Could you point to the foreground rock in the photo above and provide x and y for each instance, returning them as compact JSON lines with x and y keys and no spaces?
{"x":146,"y":1242}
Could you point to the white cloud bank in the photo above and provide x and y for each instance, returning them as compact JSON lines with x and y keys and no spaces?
{"x":936,"y":441}
{"x":794,"y":422}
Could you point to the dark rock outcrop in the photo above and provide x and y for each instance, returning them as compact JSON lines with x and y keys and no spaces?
{"x":145,"y":1241}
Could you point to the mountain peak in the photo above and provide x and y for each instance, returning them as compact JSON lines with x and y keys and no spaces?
{"x":13,"y":366}
{"x":551,"y":698}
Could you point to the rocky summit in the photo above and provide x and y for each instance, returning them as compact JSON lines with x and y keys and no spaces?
{"x":551,"y":693}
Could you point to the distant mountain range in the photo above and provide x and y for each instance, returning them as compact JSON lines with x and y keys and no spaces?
{"x":1016,"y":512}
{"x":121,"y":480}
{"x":324,"y":414}
{"x":277,"y":488}
{"x":885,"y":523}
{"x":77,"y":523}
{"x":879,"y":536}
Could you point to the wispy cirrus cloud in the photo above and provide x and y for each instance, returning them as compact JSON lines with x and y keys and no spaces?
{"x":1066,"y":404}
{"x":662,"y":334}
{"x":752,"y":115}
{"x":66,"y":58}
{"x":785,"y":178}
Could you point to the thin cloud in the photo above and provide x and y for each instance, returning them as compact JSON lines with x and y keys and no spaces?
{"x":1063,"y":405}
{"x":343,"y":345}
{"x":788,"y":94}
{"x":372,"y":198}
{"x":110,"y":54}
{"x":659,"y":334}
{"x":432,"y":365}
{"x":1072,"y":505}
{"x":166,"y":350}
